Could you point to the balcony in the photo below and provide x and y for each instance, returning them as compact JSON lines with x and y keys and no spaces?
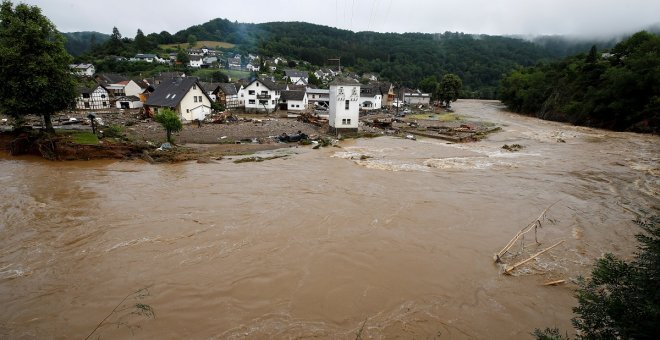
{"x":263,"y":96}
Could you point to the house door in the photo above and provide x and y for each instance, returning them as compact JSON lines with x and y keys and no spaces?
{"x":125,"y":105}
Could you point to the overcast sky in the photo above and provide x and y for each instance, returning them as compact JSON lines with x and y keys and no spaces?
{"x":494,"y":17}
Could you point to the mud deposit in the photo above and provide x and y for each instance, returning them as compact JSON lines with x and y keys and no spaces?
{"x":391,"y":236}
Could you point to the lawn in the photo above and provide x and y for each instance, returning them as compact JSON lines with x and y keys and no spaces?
{"x":80,"y":137}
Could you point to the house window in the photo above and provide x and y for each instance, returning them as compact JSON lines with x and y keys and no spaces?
{"x":194,"y":87}
{"x":348,"y":102}
{"x":195,"y":97}
{"x":85,"y":95}
{"x":257,"y":84}
{"x":103,"y":96}
{"x":105,"y":104}
{"x":251,"y":92}
{"x":87,"y":105}
{"x":251,"y":101}
{"x":346,"y":122}
{"x":187,"y":110}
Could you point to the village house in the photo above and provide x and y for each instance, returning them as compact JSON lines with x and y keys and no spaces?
{"x":128,"y":102}
{"x":318,"y":97}
{"x":84,"y":70}
{"x":149,"y":58}
{"x":370,"y":97}
{"x":370,"y":76}
{"x":344,"y":106}
{"x":387,"y":90}
{"x":293,"y":100}
{"x":234,"y":63}
{"x":163,"y":76}
{"x":183,"y":95}
{"x":417,"y":98}
{"x":297,"y":77}
{"x":227,"y":94}
{"x":195,"y":61}
{"x":93,"y":98}
{"x":261,"y":95}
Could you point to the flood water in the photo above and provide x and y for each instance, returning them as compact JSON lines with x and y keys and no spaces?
{"x":322,"y":243}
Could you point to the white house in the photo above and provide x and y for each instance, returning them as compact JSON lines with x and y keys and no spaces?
{"x":183,"y":95}
{"x":86,"y":70}
{"x":195,"y":61}
{"x":253,"y":68}
{"x":128,"y":102}
{"x":294,"y":100}
{"x":344,"y":106}
{"x":370,"y":97}
{"x":94,"y":98}
{"x":261,"y":95}
{"x":149,"y":58}
{"x":417,"y":98}
{"x":295,"y":76}
{"x":318,"y":97}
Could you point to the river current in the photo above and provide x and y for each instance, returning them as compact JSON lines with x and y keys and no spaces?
{"x":383,"y":237}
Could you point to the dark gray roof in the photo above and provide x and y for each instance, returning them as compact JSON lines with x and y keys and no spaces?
{"x":345,"y":81}
{"x":370,"y":90}
{"x":296,"y":73}
{"x":292,"y":95}
{"x":110,"y":78}
{"x":269,"y":84}
{"x":209,"y":87}
{"x":228,"y":89}
{"x":128,"y":98}
{"x":171,"y":91}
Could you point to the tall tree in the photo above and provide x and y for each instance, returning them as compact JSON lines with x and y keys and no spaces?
{"x":33,"y":61}
{"x":141,"y":42}
{"x":449,"y":88}
{"x":116,"y":45}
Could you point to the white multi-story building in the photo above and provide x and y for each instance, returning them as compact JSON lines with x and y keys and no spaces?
{"x":344,"y":106}
{"x":261,"y":95}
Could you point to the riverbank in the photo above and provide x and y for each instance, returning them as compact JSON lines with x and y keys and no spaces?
{"x":127,"y":135}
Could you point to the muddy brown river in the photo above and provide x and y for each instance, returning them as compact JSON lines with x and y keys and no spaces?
{"x":322,"y":243}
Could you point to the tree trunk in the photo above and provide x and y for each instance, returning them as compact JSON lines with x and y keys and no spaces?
{"x":169,"y":136}
{"x":48,"y":123}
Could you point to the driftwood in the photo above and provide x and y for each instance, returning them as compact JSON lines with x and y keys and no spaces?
{"x":554,"y":283}
{"x":534,"y":225}
{"x":509,"y":269}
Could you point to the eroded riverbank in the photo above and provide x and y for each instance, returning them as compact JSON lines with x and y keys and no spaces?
{"x":314,"y":244}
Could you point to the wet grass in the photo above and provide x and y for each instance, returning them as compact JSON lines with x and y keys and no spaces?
{"x":442,"y":117}
{"x":81,"y":137}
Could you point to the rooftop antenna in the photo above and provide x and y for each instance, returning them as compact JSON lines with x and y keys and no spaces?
{"x":338,"y":60}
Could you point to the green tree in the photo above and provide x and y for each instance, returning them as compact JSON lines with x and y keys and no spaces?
{"x":141,"y":42}
{"x":115,"y":44}
{"x":170,"y":121}
{"x":182,"y":58}
{"x":192,"y":40}
{"x":429,"y":84}
{"x":33,"y":61}
{"x":219,"y":77}
{"x":449,"y":88}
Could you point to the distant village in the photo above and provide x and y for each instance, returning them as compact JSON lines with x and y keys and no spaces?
{"x":194,"y":99}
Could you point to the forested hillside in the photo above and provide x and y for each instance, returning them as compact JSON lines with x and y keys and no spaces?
{"x":78,"y":43}
{"x":479,"y":60}
{"x":618,"y":90}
